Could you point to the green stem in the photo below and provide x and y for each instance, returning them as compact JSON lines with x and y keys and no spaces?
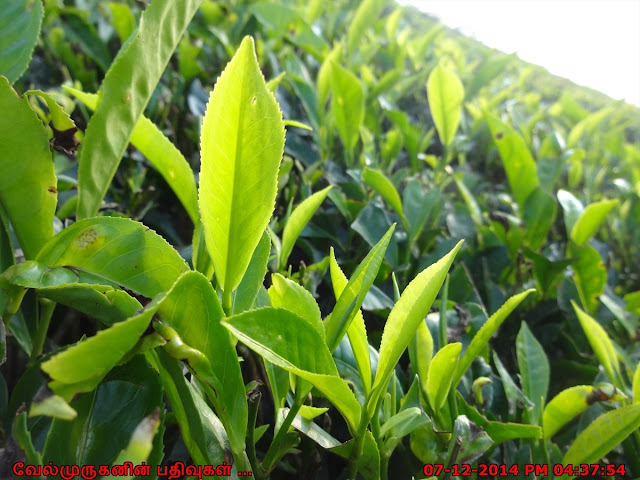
{"x":46,"y":312}
{"x":254,"y":404}
{"x":452,"y":459}
{"x":273,"y":454}
{"x":358,"y":447}
{"x":227,"y":301}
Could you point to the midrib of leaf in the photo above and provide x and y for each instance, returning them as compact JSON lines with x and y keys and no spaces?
{"x":234,"y":193}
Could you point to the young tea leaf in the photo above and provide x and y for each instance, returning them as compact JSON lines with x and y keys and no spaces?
{"x":590,"y":219}
{"x":440,"y":376}
{"x":242,"y":145}
{"x":603,"y":434}
{"x":351,"y":298}
{"x":403,"y":321}
{"x":125,"y":92}
{"x":357,"y":331}
{"x":601,"y":345}
{"x":297,"y":221}
{"x":534,"y":370}
{"x":347,"y":105}
{"x":516,"y":158}
{"x":287,"y":294}
{"x":445,"y":93}
{"x":481,"y":339}
{"x":568,"y":404}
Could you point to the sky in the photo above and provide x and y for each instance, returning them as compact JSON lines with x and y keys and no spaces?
{"x":594,"y":43}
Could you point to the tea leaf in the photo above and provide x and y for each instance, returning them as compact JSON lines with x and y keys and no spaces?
{"x":125,"y":92}
{"x":287,"y":294}
{"x":366,"y":15}
{"x":601,"y":345}
{"x":572,"y":209}
{"x":193,"y":310}
{"x":357,"y":331}
{"x":242,"y":145}
{"x":102,"y":302}
{"x":445,"y":93}
{"x":516,"y":159}
{"x":297,"y":221}
{"x":70,"y":372}
{"x":481,"y":339}
{"x":589,"y":274}
{"x":403,"y":321}
{"x":590,"y":219}
{"x":291,"y":342}
{"x":568,"y":404}
{"x":253,"y":278}
{"x":162,"y":154}
{"x":120,"y":251}
{"x":19,"y":31}
{"x":28,"y":185}
{"x":347,"y":105}
{"x":123,"y":20}
{"x":351,"y":298}
{"x":141,"y":443}
{"x":385,"y":188}
{"x":603,"y":434}
{"x":636,"y":385}
{"x":440,"y":377}
{"x":539,"y":214}
{"x":107,"y":417}
{"x":534,"y":370}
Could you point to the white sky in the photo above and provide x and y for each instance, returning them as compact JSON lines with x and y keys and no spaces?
{"x":595,"y":43}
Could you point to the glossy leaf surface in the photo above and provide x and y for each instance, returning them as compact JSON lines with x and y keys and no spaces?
{"x":118,"y":250}
{"x":124,"y":94}
{"x":242,"y":144}
{"x":297,"y":221}
{"x":28,"y":185}
{"x":534,"y":370}
{"x":403,"y":321}
{"x":440,"y":377}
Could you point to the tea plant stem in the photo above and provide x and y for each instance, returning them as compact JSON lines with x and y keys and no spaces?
{"x":227,"y":301}
{"x":384,"y":459}
{"x":254,"y":404}
{"x":273,"y":454}
{"x":46,"y":311}
{"x":358,"y":447}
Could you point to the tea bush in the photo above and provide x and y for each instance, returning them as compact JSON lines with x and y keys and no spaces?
{"x":432,"y":273}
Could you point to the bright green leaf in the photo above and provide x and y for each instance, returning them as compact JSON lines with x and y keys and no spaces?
{"x":123,"y":20}
{"x":589,"y":274}
{"x":381,"y":184}
{"x":534,"y":370}
{"x":441,"y":369}
{"x":590,"y":219}
{"x":125,"y":92}
{"x":352,"y":296}
{"x":601,"y":345}
{"x":572,"y":209}
{"x":287,"y":294}
{"x":253,"y":279}
{"x":403,"y":321}
{"x":297,"y":221}
{"x":481,"y":339}
{"x":365,"y":16}
{"x":357,"y":331}
{"x":289,"y":341}
{"x":445,"y":94}
{"x":347,"y":105}
{"x":28,"y":185}
{"x":603,"y":434}
{"x":516,"y":158}
{"x":162,"y":154}
{"x":242,"y":145}
{"x":539,"y":215}
{"x":568,"y":404}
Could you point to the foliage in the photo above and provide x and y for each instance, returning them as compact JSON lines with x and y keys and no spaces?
{"x":437,"y":263}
